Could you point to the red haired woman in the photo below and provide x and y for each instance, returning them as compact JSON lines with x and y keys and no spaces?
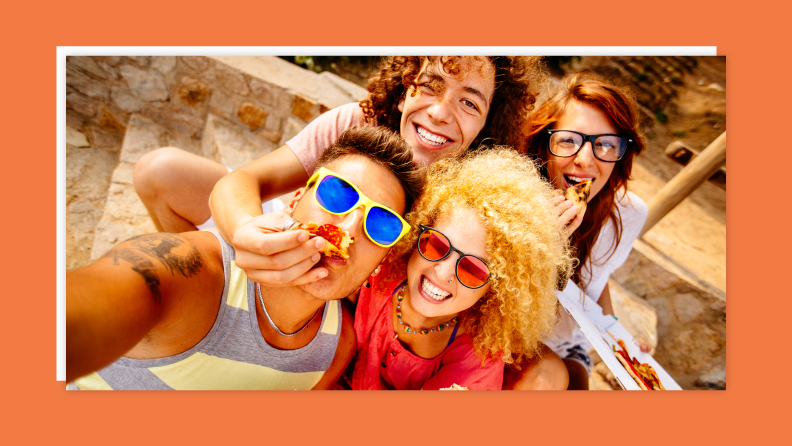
{"x":588,"y":130}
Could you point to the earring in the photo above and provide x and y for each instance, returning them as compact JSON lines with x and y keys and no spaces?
{"x":449,"y":280}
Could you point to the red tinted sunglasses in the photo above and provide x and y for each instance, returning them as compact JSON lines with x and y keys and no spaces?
{"x":471,"y":271}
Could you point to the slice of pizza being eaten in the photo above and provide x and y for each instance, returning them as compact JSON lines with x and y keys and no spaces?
{"x":578,"y":195}
{"x":338,"y":240}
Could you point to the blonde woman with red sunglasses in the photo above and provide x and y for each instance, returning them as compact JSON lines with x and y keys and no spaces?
{"x":471,"y":287}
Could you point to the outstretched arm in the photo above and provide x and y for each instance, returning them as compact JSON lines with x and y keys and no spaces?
{"x":236,"y":209}
{"x":142,"y":285}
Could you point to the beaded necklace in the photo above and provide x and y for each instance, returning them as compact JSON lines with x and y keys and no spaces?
{"x":407,"y":328}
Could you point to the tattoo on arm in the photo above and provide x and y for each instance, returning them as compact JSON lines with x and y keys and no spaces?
{"x":159,"y":247}
{"x":142,"y":266}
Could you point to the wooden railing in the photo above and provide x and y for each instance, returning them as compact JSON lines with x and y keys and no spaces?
{"x":686,"y":181}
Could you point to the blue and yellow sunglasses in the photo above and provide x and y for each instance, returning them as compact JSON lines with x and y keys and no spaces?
{"x":337,"y":195}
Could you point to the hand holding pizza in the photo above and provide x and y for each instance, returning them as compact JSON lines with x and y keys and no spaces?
{"x":274,"y":257}
{"x":567,"y":214}
{"x":574,"y":198}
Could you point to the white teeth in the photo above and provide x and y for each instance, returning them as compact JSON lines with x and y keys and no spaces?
{"x":433,"y":291}
{"x":578,"y":179}
{"x":430,"y":138}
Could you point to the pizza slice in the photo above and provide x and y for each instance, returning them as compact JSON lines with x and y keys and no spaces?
{"x":338,"y":240}
{"x":643,"y":374}
{"x":578,"y":195}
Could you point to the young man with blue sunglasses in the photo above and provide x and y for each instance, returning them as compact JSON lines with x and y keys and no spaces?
{"x":441,"y":105}
{"x":166,"y":311}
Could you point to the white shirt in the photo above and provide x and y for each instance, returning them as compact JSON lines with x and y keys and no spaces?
{"x":633,"y":211}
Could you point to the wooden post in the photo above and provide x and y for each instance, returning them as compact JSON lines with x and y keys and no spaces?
{"x":686,"y":181}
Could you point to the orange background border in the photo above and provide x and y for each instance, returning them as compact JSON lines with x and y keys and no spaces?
{"x":38,"y":409}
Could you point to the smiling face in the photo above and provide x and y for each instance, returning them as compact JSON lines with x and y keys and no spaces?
{"x":564,"y":172}
{"x":430,"y":292}
{"x":447,"y":112}
{"x":377,"y":183}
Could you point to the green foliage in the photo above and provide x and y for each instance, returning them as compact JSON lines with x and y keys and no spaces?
{"x":660,"y":116}
{"x":641,"y":77}
{"x":680,"y":133}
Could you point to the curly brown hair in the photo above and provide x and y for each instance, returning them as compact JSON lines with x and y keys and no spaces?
{"x":525,"y":244}
{"x":619,"y":105}
{"x":518,"y":79}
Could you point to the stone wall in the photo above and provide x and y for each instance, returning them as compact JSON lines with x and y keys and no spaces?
{"x":267,"y":95}
{"x":251,"y":105}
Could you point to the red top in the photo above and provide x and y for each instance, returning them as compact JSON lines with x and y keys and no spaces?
{"x":382,"y":362}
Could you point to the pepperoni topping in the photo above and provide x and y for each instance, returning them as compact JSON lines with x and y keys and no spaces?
{"x":331,"y":233}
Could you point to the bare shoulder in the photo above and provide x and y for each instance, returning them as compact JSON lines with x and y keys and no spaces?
{"x":183,"y":253}
{"x":183,"y":272}
{"x":152,"y":296}
{"x":162,"y":258}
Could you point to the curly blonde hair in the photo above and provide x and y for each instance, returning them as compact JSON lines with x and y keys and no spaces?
{"x":526,"y":247}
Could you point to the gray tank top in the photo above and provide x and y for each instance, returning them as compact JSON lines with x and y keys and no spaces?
{"x":233,"y":355}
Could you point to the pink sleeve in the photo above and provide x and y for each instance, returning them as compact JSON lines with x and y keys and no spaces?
{"x":462,"y":366}
{"x":322,"y":132}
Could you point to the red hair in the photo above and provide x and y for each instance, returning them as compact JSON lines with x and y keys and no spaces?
{"x":619,"y":106}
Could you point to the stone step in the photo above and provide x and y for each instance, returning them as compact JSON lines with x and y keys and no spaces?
{"x":124,"y":214}
{"x":230,"y":145}
{"x":88,"y":172}
{"x":233,"y":146}
{"x":690,"y":315}
{"x":150,"y":102}
{"x":325,"y":89}
{"x":691,"y":236}
{"x":687,"y":336}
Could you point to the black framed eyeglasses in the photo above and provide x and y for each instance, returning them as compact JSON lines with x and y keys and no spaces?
{"x":471,"y":271}
{"x":608,"y":147}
